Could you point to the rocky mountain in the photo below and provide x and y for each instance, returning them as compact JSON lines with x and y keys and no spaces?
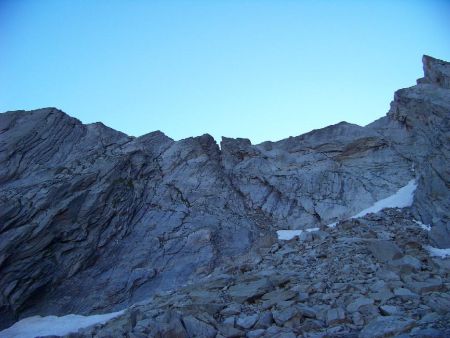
{"x":94,"y":221}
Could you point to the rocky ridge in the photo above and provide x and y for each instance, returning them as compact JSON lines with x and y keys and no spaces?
{"x":92,"y":220}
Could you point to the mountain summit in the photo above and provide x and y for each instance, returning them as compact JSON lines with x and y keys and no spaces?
{"x":94,"y":221}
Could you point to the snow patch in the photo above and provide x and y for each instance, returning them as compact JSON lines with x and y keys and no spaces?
{"x":425,"y":227}
{"x":286,"y":235}
{"x":436,"y":252}
{"x":403,"y":198}
{"x":54,"y":326}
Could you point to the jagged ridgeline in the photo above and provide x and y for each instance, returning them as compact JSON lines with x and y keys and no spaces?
{"x":93,"y":220}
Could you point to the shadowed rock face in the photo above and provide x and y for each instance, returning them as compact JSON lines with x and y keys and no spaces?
{"x":94,"y":220}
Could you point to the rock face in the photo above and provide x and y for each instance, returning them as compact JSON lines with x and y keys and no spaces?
{"x":89,"y":212}
{"x":92,"y":220}
{"x":329,"y":287}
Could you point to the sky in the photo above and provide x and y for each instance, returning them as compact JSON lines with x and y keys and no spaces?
{"x":263,"y":70}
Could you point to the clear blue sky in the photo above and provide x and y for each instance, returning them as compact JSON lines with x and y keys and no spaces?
{"x":264,"y":70}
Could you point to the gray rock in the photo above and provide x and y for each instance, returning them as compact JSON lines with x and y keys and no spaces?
{"x":407,"y":264}
{"x":247,"y":322}
{"x":335,"y":316}
{"x":357,"y":303}
{"x":386,"y":327}
{"x":279,"y":295}
{"x":265,"y":321}
{"x":255,"y":333}
{"x":443,"y":264}
{"x":378,"y":286}
{"x":279,"y":332}
{"x":248,"y":291}
{"x":382,"y":296}
{"x":232,"y":309}
{"x":429,"y":318}
{"x":312,"y":325}
{"x":306,"y":311}
{"x":282,"y":316}
{"x":436,"y":72}
{"x":430,"y":285}
{"x":357,"y":319}
{"x":306,"y":237}
{"x":230,"y":331}
{"x":439,"y":302}
{"x":197,"y":328}
{"x":285,"y":335}
{"x":429,"y":333}
{"x":302,"y":296}
{"x":384,"y":251}
{"x":174,"y":328}
{"x":389,"y":310}
{"x":388,"y":275}
{"x":230,"y":321}
{"x":405,"y":293}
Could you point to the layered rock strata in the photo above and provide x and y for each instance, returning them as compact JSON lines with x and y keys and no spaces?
{"x":92,"y":220}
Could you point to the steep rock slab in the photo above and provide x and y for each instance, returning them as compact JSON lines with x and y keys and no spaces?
{"x":418,"y":128}
{"x":92,"y":219}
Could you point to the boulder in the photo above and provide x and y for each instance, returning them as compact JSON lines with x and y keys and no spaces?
{"x":384,"y":250}
{"x":247,"y":322}
{"x":282,"y":316}
{"x":386,"y":327}
{"x":406,"y":264}
{"x":389,"y":310}
{"x":255,"y":333}
{"x":430,"y":285}
{"x":250,"y":290}
{"x":265,"y":320}
{"x":197,"y":328}
{"x":335,"y":316}
{"x":356,"y":304}
{"x":405,"y":294}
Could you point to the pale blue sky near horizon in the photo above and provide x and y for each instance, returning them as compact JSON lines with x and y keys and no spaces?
{"x":263,"y":70}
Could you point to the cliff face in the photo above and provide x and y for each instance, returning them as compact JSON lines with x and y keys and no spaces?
{"x":94,"y":220}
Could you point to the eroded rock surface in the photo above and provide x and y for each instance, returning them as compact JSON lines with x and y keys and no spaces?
{"x":92,"y":220}
{"x":332,"y":286}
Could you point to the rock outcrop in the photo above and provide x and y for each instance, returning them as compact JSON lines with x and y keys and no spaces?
{"x":92,"y":220}
{"x":332,"y":285}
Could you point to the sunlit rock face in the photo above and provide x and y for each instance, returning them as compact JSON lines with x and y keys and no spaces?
{"x":92,"y":220}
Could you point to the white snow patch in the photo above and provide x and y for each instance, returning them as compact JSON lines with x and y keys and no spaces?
{"x":332,"y":225}
{"x":286,"y":235}
{"x":436,"y":252}
{"x":403,"y":198}
{"x":52,"y":325}
{"x":425,"y":227}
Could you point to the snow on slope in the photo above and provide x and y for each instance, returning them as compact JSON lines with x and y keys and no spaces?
{"x":52,"y":325}
{"x":425,"y":227}
{"x":286,"y":235}
{"x":403,"y":198}
{"x":436,"y":252}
